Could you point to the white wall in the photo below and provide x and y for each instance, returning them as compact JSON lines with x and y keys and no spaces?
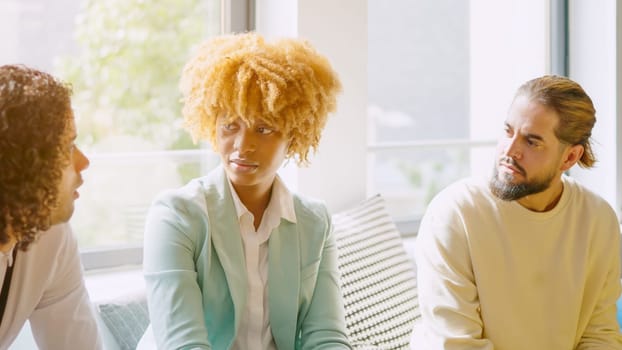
{"x":9,"y":19}
{"x":338,"y":30}
{"x":519,"y":35}
{"x":276,"y":18}
{"x":593,"y":64}
{"x":618,"y":146}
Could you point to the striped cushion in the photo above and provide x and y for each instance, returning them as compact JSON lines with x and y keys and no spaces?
{"x":378,"y":277}
{"x":126,"y":320}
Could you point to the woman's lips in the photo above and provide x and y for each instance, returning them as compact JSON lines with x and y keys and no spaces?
{"x":243,"y":165}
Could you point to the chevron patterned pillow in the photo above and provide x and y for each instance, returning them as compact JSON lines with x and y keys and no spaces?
{"x":378,"y":278}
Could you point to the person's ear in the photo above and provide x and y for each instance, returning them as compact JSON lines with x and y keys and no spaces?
{"x":571,"y":156}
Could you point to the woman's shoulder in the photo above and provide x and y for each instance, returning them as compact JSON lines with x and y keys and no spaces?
{"x":308,"y":208}
{"x":189,"y":199}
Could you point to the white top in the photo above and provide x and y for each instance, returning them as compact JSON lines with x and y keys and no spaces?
{"x":495,"y":275}
{"x":48,"y":289}
{"x":254,"y":331}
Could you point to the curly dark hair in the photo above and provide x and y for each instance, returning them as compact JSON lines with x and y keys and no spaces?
{"x":35,"y":124}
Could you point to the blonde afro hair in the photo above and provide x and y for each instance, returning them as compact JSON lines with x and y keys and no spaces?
{"x":286,"y":84}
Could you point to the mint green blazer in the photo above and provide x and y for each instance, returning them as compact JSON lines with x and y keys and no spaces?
{"x":196,"y":276}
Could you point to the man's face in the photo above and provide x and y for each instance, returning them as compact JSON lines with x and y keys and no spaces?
{"x":250,"y":154}
{"x":530,"y":156}
{"x":70,"y":181}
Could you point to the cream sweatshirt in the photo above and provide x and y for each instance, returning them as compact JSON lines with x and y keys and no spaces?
{"x":495,"y":275}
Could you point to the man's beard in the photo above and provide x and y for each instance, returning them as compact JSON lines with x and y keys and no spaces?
{"x":507,"y":191}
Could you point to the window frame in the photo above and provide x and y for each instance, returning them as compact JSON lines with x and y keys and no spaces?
{"x":594,"y":48}
{"x":235,"y":16}
{"x":560,"y":59}
{"x":559,"y":64}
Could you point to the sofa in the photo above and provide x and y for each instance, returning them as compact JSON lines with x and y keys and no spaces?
{"x":378,"y":285}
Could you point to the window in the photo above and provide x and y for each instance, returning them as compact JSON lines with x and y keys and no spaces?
{"x":441,"y":76}
{"x":124,"y":59}
{"x":594,"y":48}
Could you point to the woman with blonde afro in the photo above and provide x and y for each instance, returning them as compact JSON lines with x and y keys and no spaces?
{"x":234,"y":260}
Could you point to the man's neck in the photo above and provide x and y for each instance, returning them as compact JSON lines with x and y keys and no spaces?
{"x":545,"y":200}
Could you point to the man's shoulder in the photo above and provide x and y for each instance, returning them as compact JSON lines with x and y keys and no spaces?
{"x":465,"y":192}
{"x":54,"y":238}
{"x":583,"y":195}
{"x":464,"y":199}
{"x":55,"y":248}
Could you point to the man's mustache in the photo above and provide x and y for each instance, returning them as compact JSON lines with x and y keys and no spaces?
{"x":510,"y":161}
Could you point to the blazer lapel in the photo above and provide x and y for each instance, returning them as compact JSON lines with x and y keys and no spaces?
{"x":227,"y":239}
{"x":283,"y":283}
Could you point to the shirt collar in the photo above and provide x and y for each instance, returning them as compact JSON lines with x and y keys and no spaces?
{"x":281,"y":201}
{"x":8,"y":255}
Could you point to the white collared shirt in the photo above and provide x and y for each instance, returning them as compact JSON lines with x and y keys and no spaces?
{"x":47,"y":289}
{"x":6,"y":259}
{"x":254,"y":331}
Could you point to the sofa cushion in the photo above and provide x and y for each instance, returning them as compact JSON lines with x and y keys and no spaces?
{"x":378,"y":277}
{"x":125,"y":319}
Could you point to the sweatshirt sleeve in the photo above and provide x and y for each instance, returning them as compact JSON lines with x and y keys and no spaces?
{"x":603,"y":330}
{"x":448,"y":296}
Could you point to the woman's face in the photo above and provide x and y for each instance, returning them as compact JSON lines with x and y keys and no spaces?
{"x":250,"y":154}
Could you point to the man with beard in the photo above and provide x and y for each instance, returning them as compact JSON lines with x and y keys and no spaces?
{"x":529,"y":259}
{"x":40,"y":171}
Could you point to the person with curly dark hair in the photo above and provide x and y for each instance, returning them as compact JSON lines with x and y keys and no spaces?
{"x":40,"y":172}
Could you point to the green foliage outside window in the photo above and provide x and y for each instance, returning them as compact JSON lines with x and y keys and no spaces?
{"x":125,"y":74}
